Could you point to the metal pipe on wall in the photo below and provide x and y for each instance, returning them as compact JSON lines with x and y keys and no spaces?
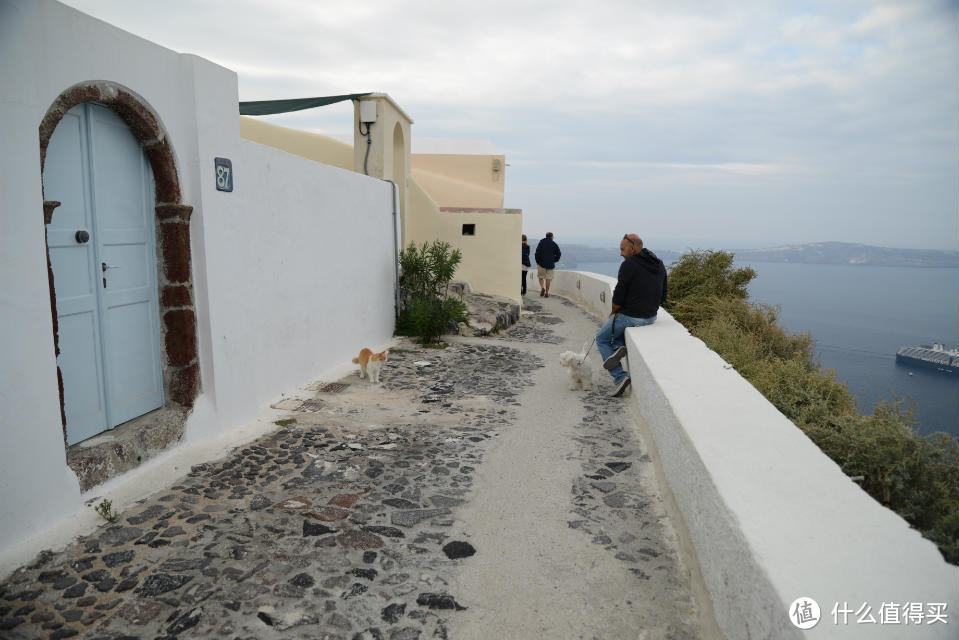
{"x":396,"y":254}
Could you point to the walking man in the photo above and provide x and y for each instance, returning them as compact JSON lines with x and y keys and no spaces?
{"x":640,"y":289}
{"x":547,"y":255}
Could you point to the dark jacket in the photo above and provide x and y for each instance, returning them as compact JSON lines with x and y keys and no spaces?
{"x":641,"y":285}
{"x":526,"y":262}
{"x":547,"y":253}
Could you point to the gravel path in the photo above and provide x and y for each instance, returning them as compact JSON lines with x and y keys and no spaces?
{"x":469,"y":495}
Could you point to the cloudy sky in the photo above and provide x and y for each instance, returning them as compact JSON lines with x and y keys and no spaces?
{"x":712,"y":123}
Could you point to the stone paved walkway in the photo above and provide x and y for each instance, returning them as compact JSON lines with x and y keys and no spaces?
{"x":469,"y":495}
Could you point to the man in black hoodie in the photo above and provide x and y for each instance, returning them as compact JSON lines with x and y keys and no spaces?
{"x":640,"y":289}
{"x":547,"y":255}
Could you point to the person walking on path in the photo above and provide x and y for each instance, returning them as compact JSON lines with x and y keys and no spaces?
{"x":640,"y":289}
{"x":526,"y":264}
{"x":547,"y":255}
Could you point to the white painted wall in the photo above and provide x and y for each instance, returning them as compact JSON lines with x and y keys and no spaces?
{"x":591,"y":290}
{"x":275,"y":306}
{"x":298,"y":279}
{"x":769,"y":516}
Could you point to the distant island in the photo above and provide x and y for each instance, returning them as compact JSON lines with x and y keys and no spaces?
{"x":576,"y":254}
{"x":850,"y":253}
{"x":813,"y":253}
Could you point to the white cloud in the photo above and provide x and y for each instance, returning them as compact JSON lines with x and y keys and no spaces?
{"x":691,"y":97}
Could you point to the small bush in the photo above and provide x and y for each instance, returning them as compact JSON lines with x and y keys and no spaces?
{"x":105,"y":509}
{"x":428,"y":312}
{"x":428,"y":319}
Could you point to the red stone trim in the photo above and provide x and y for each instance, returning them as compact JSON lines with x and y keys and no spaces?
{"x":181,"y":371}
{"x":48,"y":207}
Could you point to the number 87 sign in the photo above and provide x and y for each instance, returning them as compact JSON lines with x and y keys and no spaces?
{"x":224,"y":174}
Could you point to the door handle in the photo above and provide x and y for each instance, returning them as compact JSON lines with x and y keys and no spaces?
{"x":104,"y":267}
{"x":82,"y":236}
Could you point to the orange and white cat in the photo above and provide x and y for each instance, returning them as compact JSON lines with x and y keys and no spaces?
{"x":371,"y":363}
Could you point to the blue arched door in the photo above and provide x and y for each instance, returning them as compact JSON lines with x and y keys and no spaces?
{"x":103,"y":253}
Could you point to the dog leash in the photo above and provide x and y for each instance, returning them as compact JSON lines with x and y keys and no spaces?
{"x":586,"y":355}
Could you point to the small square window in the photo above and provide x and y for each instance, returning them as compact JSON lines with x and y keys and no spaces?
{"x":469,"y":229}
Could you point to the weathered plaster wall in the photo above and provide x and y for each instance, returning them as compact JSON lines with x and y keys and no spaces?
{"x":491,"y":258}
{"x":389,"y":150}
{"x":314,"y":146}
{"x":272,"y":307}
{"x":461,"y":180}
{"x":769,"y":517}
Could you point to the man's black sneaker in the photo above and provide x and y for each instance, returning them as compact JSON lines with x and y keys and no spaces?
{"x":614,"y":358}
{"x":618,"y":391}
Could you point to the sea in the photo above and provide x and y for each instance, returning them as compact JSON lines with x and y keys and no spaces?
{"x":859,"y":316}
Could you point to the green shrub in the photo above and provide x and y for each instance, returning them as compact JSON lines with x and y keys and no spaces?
{"x":105,"y":509}
{"x":428,"y":319}
{"x":916,"y":476}
{"x":704,"y":274}
{"x":428,"y":311}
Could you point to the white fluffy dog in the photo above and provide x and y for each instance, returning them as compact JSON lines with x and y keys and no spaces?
{"x":579,"y":371}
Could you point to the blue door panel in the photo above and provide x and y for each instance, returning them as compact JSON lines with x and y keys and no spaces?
{"x":124,"y":211}
{"x":132,"y":270}
{"x":66,"y":179}
{"x":109,"y":322}
{"x":132,"y":362}
{"x":79,"y":363}
{"x":64,"y":175}
{"x":71,"y":267}
{"x":117,"y":173}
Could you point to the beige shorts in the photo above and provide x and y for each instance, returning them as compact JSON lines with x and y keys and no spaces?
{"x":545,"y":274}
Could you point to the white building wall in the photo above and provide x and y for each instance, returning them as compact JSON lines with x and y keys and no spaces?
{"x":300,"y":278}
{"x":274,"y":305}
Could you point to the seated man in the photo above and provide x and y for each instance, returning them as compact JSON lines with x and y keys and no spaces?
{"x":640,"y":289}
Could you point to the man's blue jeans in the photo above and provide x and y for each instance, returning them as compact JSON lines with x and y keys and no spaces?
{"x":612,"y":335}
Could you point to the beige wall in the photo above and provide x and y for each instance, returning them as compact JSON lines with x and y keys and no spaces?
{"x":491,"y":257}
{"x":389,"y":148}
{"x":302,"y":143}
{"x":461,"y":180}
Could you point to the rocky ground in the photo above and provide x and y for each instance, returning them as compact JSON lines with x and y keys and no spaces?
{"x":358,"y":518}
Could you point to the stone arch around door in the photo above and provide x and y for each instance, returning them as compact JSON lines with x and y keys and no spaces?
{"x":99,"y":459}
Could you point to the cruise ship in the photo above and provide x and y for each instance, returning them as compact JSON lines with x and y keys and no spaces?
{"x":935,"y":357}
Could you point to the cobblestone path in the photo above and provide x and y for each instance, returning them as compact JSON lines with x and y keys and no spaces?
{"x":346,"y":523}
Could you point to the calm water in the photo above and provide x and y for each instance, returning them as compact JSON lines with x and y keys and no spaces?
{"x":859,"y":316}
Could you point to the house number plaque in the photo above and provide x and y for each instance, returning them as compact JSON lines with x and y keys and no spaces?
{"x":224,"y":174}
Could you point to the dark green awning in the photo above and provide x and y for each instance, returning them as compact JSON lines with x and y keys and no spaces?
{"x":269,"y":107}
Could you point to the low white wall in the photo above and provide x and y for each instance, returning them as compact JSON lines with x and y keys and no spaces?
{"x":590,"y":290}
{"x":769,"y":516}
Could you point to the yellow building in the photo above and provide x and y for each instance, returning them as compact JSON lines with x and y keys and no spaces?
{"x":456,"y":198}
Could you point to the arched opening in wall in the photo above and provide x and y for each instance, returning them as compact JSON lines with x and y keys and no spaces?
{"x":120,"y":280}
{"x":399,"y":174}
